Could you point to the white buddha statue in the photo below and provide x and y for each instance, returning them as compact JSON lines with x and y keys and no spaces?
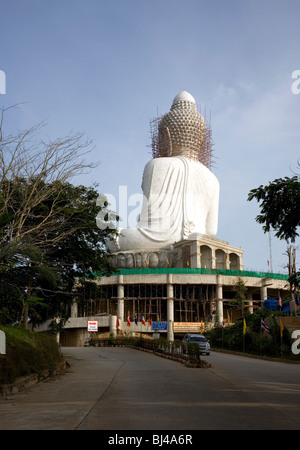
{"x":181,"y":194}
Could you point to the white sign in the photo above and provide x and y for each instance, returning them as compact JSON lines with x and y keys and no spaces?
{"x":92,"y":325}
{"x":2,"y":343}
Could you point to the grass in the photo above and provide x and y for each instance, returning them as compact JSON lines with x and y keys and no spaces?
{"x":28,"y":353}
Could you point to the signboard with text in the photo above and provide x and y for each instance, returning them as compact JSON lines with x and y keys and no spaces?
{"x":187,"y":327}
{"x":161,"y":326}
{"x":92,"y":325}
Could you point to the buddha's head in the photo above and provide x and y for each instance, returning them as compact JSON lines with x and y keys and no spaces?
{"x":182,"y":131}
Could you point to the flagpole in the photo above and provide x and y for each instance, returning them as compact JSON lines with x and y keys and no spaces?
{"x":222,"y":334}
{"x":280,"y":341}
{"x":260,"y":344}
{"x":244,"y":332}
{"x":281,"y":332}
{"x":229,"y":326}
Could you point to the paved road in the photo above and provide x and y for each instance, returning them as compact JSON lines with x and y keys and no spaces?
{"x":125,"y":389}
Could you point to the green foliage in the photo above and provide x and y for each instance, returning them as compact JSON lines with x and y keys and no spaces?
{"x":255,"y":340}
{"x":71,"y":247}
{"x":294,"y":280}
{"x":193,"y":351}
{"x":11,"y":301}
{"x":279,"y":206}
{"x":48,"y":231}
{"x":28,"y":353}
{"x":240,"y":296}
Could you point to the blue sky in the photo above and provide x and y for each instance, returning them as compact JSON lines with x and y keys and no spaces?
{"x":107,"y":67}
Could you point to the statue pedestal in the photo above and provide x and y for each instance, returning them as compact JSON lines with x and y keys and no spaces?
{"x":198,"y":251}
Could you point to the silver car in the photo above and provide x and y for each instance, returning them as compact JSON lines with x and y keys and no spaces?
{"x":196,"y":339}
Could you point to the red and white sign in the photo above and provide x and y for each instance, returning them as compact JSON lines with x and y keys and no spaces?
{"x":92,"y":325}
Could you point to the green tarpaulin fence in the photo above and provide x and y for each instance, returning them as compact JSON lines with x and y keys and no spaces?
{"x":201,"y":271}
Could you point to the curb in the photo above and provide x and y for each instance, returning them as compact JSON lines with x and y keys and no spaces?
{"x":26,"y":382}
{"x":22,"y":383}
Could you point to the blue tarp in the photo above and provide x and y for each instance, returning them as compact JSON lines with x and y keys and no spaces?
{"x":271,"y":303}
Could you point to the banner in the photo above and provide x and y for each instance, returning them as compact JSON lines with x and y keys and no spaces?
{"x":161,"y":326}
{"x":187,"y":327}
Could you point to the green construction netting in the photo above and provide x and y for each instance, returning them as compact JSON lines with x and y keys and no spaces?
{"x":234,"y":273}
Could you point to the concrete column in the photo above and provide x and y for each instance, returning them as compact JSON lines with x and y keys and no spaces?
{"x":170,"y":308}
{"x":120,"y":294}
{"x":249,"y":303}
{"x":121,"y":303}
{"x":195,"y":255}
{"x":241,"y":265}
{"x":250,"y":307}
{"x":74,"y":309}
{"x":219,"y":300}
{"x":74,"y":305}
{"x":264,"y":293}
{"x":113,"y":325}
{"x":220,"y":310}
{"x":213,"y":258}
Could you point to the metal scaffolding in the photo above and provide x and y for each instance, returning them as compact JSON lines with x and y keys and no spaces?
{"x":182,"y":131}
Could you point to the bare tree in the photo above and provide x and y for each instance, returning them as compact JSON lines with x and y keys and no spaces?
{"x":32,"y":172}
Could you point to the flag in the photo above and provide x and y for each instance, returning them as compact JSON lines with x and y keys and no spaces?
{"x":135,"y":319}
{"x":143,"y":320}
{"x":117,"y":323}
{"x":128,"y":321}
{"x":202,"y":326}
{"x":296,"y":298}
{"x":187,"y":263}
{"x":228,"y":319}
{"x":244,"y":327}
{"x":167,"y":260}
{"x":279,"y":300}
{"x":223,"y":324}
{"x":264,"y":326}
{"x":281,"y":328}
{"x":150,"y":321}
{"x":157,"y":319}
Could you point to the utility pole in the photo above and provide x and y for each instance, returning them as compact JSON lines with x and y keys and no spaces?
{"x":291,"y":252}
{"x":270,"y":247}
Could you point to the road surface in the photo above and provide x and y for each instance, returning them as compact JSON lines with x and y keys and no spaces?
{"x":110,"y":388}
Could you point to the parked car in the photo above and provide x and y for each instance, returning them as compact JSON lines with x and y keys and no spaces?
{"x":196,"y":339}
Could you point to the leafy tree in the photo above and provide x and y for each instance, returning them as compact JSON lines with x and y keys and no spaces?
{"x":279,"y":206}
{"x":75,"y":251}
{"x":82,"y":254}
{"x":48,"y":231}
{"x":11,"y":299}
{"x":237,"y":303}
